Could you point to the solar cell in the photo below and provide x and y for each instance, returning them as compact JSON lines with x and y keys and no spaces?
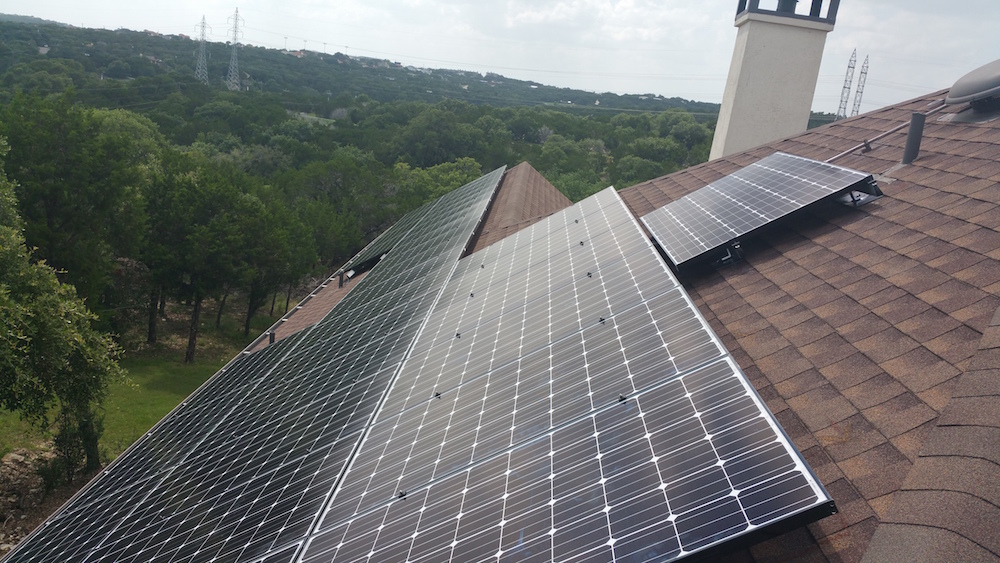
{"x":744,"y":201}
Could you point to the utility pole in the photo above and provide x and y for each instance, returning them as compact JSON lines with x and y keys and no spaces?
{"x":201,"y":70}
{"x":861,"y":88}
{"x":233,"y":78}
{"x":845,"y":94}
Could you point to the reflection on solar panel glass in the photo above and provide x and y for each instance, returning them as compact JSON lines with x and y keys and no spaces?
{"x":744,"y":201}
{"x":565,"y":401}
{"x":242,"y":468}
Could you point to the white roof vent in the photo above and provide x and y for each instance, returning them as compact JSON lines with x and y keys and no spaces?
{"x":981,"y":88}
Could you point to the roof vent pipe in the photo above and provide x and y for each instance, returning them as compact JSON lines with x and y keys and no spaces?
{"x":914,"y":137}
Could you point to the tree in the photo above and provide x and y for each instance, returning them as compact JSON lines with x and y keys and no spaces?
{"x":81,"y":177}
{"x":52,"y":360}
{"x":422,"y":185}
{"x":266,"y":250}
{"x":118,"y":69}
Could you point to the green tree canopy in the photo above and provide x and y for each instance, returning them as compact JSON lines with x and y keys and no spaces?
{"x":81,"y":177}
{"x":52,"y":361}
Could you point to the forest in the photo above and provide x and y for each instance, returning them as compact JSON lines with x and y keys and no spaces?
{"x":139,"y":185}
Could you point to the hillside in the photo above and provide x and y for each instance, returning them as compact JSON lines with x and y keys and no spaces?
{"x":304,"y":78}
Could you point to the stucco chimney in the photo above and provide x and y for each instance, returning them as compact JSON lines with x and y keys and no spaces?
{"x":773,"y":75}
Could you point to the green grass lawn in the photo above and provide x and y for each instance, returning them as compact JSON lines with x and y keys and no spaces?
{"x":157,"y":385}
{"x":158,"y":379}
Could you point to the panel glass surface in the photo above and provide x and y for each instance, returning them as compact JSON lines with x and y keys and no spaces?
{"x":554,"y":397}
{"x":241,"y":470}
{"x":744,"y":201}
{"x":565,"y":401}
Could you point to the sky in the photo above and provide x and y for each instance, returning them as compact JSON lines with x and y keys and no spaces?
{"x":663,"y":47}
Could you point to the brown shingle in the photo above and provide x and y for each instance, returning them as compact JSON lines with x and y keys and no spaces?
{"x":801,"y":383}
{"x":808,"y":331}
{"x":849,"y":437}
{"x":822,"y":407}
{"x":850,"y":543}
{"x":886,"y":345}
{"x":955,"y":346}
{"x":919,"y":369}
{"x":978,"y":314}
{"x":940,"y":395}
{"x":978,"y":383}
{"x":911,"y":443}
{"x":928,"y":325}
{"x":918,"y":279}
{"x":828,"y":350}
{"x":874,"y":391}
{"x":953,"y":295}
{"x":878,"y":471}
{"x":900,"y":414}
{"x":783,"y":364}
{"x":972,"y":411}
{"x":852,"y":370}
{"x":841,"y":311}
{"x":895,"y":542}
{"x":862,"y":328}
{"x":763,"y":343}
{"x":904,"y":307}
{"x":966,"y":515}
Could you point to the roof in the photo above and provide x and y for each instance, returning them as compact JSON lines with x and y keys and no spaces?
{"x":872,"y":335}
{"x":524,"y":198}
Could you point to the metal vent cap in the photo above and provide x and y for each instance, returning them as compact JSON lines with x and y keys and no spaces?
{"x":980,"y":84}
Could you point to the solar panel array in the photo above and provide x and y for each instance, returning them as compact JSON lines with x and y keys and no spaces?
{"x":744,"y":201}
{"x":554,"y":397}
{"x":241,"y":469}
{"x":565,"y":402}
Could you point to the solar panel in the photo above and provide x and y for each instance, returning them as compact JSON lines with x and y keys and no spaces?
{"x":554,"y":397}
{"x":565,"y":401}
{"x":744,"y":201}
{"x":240,"y":470}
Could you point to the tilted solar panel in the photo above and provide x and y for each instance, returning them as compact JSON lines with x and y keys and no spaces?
{"x":565,"y":401}
{"x":736,"y":205}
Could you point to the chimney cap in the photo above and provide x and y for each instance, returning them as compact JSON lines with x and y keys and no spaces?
{"x":787,"y":9}
{"x":980,"y":84}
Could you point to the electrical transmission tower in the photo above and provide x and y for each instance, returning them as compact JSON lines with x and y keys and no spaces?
{"x":201,"y":71}
{"x":233,"y":78}
{"x":845,"y":94}
{"x":861,"y":88}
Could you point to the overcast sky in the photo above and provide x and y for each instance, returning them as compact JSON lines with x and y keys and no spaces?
{"x":666,"y":47}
